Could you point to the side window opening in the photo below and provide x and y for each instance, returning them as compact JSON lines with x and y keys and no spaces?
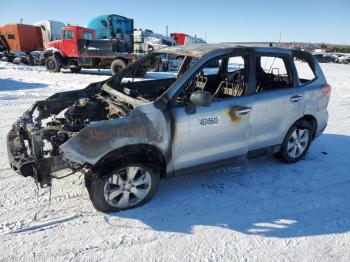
{"x":68,"y":34}
{"x":212,"y":68}
{"x":225,"y":77}
{"x":11,"y":36}
{"x":235,"y":63}
{"x":272,"y":73}
{"x":304,"y":70}
{"x":234,"y":79}
{"x":87,"y":35}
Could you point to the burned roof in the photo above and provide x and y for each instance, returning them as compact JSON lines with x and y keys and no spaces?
{"x":200,"y":50}
{"x":197,"y":50}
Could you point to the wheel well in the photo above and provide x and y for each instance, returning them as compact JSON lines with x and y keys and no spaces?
{"x":57,"y":54}
{"x":120,"y":58}
{"x":148,"y":154}
{"x":310,"y":120}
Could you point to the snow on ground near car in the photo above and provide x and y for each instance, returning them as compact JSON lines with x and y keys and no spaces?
{"x":261,"y":210}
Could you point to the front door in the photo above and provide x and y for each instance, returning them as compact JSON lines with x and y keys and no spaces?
{"x":68,"y":43}
{"x":217,"y":132}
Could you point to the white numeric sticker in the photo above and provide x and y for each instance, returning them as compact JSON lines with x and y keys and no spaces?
{"x":209,"y":121}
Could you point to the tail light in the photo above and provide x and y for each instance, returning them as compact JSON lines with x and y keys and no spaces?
{"x":327,"y":90}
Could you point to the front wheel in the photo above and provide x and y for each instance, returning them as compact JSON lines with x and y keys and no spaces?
{"x":296,"y":143}
{"x":129,"y":185}
{"x":52,"y":64}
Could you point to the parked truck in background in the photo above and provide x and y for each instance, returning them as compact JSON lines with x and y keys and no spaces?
{"x":147,"y":41}
{"x":185,"y":39}
{"x":119,"y":27}
{"x":50,"y":30}
{"x":22,"y":38}
{"x":79,"y":48}
{"x":113,"y":27}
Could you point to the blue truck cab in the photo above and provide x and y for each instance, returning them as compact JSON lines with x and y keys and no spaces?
{"x":112,"y":26}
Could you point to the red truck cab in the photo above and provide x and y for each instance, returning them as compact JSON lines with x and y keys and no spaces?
{"x":79,"y":48}
{"x":68,"y":44}
{"x":184,"y":39}
{"x":179,"y":38}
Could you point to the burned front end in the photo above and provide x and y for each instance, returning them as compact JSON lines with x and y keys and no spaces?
{"x":35,"y":139}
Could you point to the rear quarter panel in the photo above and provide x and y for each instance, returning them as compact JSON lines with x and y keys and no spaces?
{"x":315,"y":101}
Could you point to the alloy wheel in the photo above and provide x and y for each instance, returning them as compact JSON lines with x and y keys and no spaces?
{"x":127,"y":187}
{"x":297,"y":142}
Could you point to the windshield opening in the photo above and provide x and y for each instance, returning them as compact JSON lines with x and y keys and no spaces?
{"x":150,"y":76}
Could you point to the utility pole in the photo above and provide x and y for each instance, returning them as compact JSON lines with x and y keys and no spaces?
{"x":279,"y":41}
{"x":166,"y":30}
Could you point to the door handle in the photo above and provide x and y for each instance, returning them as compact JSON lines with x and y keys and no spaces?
{"x":243,"y":110}
{"x":296,"y":98}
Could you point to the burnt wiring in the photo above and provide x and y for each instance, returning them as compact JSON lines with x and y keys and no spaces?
{"x":36,"y":218}
{"x":72,"y":173}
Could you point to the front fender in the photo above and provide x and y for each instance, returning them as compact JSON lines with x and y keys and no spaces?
{"x":143,"y":126}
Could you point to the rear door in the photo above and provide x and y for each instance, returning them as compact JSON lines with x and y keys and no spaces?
{"x":278,"y":100}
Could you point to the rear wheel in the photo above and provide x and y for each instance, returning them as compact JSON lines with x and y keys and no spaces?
{"x":296,"y":143}
{"x":117,"y":65}
{"x":52,"y":64}
{"x":126,"y":186}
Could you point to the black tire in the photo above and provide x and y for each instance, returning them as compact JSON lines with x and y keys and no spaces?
{"x":75,"y":69}
{"x":285,"y":153}
{"x":52,"y":64}
{"x":97,"y":182}
{"x":117,"y":65}
{"x":28,"y":60}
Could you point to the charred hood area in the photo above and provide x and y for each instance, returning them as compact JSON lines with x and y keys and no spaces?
{"x":34,"y":140}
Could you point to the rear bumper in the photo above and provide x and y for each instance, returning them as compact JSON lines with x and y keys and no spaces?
{"x":320,"y":131}
{"x":25,"y":153}
{"x":322,"y":120}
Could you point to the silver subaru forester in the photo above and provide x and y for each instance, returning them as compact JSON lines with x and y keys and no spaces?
{"x":198,"y":107}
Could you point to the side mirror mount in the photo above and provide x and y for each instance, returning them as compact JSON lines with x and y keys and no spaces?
{"x":198,"y":98}
{"x":201,"y":98}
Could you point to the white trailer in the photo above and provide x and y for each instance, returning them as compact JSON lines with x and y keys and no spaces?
{"x":51,"y":30}
{"x":146,"y":41}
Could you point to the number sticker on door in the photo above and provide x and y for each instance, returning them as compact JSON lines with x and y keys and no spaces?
{"x":209,"y":121}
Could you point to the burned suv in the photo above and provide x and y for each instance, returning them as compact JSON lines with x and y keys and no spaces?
{"x":125,"y":134}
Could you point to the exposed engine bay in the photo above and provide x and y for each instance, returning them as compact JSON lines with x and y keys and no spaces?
{"x":36,"y":137}
{"x":75,"y":117}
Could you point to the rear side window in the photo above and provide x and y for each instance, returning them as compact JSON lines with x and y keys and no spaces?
{"x":10,"y":36}
{"x":272,"y":73}
{"x":68,"y":34}
{"x":304,"y":70}
{"x":87,"y":35}
{"x":273,"y":65}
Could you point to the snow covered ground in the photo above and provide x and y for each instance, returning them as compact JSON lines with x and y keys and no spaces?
{"x":262,"y":211}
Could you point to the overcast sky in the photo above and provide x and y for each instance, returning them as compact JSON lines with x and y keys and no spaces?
{"x":218,"y":20}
